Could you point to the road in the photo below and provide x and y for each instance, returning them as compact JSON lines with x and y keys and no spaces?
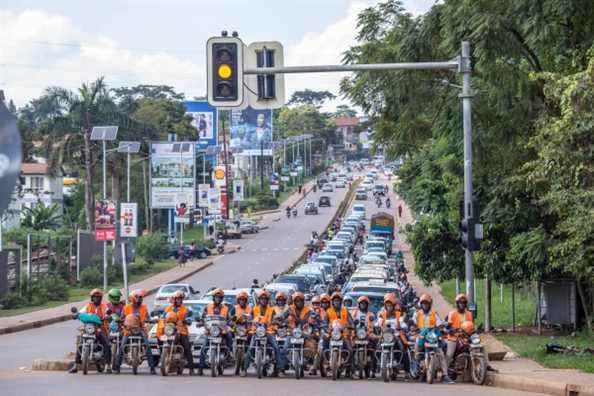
{"x":263,"y":254}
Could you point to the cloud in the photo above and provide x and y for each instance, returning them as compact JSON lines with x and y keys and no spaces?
{"x":40,"y":49}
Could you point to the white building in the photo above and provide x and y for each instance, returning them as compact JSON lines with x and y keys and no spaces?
{"x":38,"y":184}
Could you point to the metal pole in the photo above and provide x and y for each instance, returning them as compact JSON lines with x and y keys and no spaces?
{"x":104,"y":198}
{"x":125,"y":269}
{"x":29,"y":258}
{"x":128,"y":177}
{"x":453,"y":65}
{"x":310,"y":157}
{"x":466,"y":96}
{"x":78,"y":254}
{"x":1,"y":223}
{"x":284,"y":152}
{"x":261,"y":161}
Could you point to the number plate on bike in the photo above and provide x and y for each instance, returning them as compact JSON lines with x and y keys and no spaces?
{"x":155,"y":351}
{"x":296,"y":340}
{"x":360,"y":342}
{"x":216,"y":340}
{"x":336,"y":343}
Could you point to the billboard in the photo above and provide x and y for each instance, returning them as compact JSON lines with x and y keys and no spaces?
{"x":204,"y":119}
{"x":214,"y":204}
{"x":251,"y":132}
{"x":238,"y":190}
{"x":129,"y":220}
{"x":203,"y":195}
{"x":105,"y":218}
{"x":173,"y":174}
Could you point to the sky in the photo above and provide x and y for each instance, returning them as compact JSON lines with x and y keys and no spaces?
{"x":67,"y":42}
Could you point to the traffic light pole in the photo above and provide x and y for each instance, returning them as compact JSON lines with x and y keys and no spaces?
{"x":460,"y":64}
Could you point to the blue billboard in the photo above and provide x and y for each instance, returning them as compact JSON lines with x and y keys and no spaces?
{"x":204,"y":118}
{"x":251,"y":132}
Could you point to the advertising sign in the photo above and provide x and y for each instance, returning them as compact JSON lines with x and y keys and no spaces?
{"x":203,"y":195}
{"x":251,"y":132}
{"x":238,"y":190}
{"x":213,"y":200}
{"x":219,"y":176}
{"x":182,"y":215}
{"x":105,"y":218}
{"x":173,"y":174}
{"x":204,"y":118}
{"x":128,"y":220}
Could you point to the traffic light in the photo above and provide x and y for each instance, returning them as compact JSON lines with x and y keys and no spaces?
{"x":467,"y":235}
{"x":224,"y":71}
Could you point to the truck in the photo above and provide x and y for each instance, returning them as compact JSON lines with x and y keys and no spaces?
{"x":382,"y":225}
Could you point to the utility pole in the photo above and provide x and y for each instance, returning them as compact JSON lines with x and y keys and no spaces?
{"x":261,"y":165}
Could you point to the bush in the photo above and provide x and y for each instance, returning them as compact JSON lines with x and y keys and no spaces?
{"x":91,"y":277}
{"x":115,"y":273}
{"x":152,"y":247}
{"x":140,"y":266}
{"x":13,"y":300}
{"x":38,"y":292}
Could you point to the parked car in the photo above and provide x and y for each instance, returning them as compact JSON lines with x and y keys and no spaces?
{"x":310,"y":208}
{"x":324,"y":201}
{"x":199,"y":251}
{"x":248,"y":227}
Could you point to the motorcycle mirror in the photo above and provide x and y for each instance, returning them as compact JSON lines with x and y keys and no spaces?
{"x":74,"y":310}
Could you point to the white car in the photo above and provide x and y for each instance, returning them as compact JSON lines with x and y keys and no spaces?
{"x":166,"y":291}
{"x":368,"y":185}
{"x":359,"y":208}
{"x":327,"y":188}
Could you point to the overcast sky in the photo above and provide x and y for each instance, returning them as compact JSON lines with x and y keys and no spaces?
{"x":67,"y":42}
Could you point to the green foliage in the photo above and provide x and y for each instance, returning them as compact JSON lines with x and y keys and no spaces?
{"x":42,"y":217}
{"x":305,"y":118}
{"x":37,"y":292}
{"x":91,"y":276}
{"x":140,"y":266}
{"x":309,"y":97}
{"x":152,"y":247}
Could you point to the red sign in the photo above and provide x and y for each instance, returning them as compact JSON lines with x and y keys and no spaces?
{"x":181,"y":209}
{"x":105,"y":218}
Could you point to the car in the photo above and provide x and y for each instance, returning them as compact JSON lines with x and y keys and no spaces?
{"x":195,"y":330}
{"x":383,"y":255}
{"x":327,"y":188}
{"x":310,"y":208}
{"x":321,"y":182}
{"x":375,"y":286}
{"x":230,"y":297}
{"x":377,"y":299}
{"x":166,"y":291}
{"x":340,"y":184}
{"x":370,"y":259}
{"x":359,"y":208}
{"x":286,"y":288}
{"x":375,"y":243}
{"x":200,"y":251}
{"x":361,"y":194}
{"x":367,"y":185}
{"x":378,"y":189}
{"x":302,"y":283}
{"x":324,"y":201}
{"x":248,"y":226}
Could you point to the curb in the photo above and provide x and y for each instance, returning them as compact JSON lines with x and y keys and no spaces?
{"x":51,"y":365}
{"x":63,"y":318}
{"x":539,"y":385}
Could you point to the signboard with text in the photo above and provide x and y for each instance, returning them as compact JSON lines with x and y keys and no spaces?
{"x":128,"y":219}
{"x":204,"y":119}
{"x":105,"y":218}
{"x":173,"y":174}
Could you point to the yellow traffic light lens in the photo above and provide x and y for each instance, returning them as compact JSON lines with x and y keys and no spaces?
{"x":225,"y":71}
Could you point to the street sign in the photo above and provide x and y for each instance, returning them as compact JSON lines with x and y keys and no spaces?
{"x":203,"y":195}
{"x":107,"y":133}
{"x":265,"y":91}
{"x":224,"y":71}
{"x":129,"y":147}
{"x":10,"y":155}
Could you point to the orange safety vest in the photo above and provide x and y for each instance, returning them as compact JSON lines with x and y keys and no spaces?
{"x":100,"y":310}
{"x":239,"y":312}
{"x":332,"y":315}
{"x":264,"y":317}
{"x":293,"y":315}
{"x":368,"y":319}
{"x":210,"y":310}
{"x":421,"y":319}
{"x":456,"y":318}
{"x":181,"y":313}
{"x":141,"y":312}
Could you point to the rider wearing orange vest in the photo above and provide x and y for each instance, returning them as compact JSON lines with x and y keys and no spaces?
{"x":138,"y":309}
{"x":264,"y":314}
{"x":214,"y":309}
{"x":455,"y":319}
{"x":182,"y":313}
{"x":362,"y":314}
{"x":338,"y":311}
{"x":242,"y":311}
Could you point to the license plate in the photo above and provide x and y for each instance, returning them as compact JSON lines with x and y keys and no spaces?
{"x":388,"y":345}
{"x":216,"y":340}
{"x":155,"y":351}
{"x":296,"y":340}
{"x":196,"y":353}
{"x":336,"y":343}
{"x":360,"y":342}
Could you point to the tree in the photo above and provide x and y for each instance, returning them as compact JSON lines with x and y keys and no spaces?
{"x":344,"y":110}
{"x":298,"y":120}
{"x":309,"y":97}
{"x":41,"y":217}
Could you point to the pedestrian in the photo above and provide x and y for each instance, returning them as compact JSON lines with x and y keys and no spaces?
{"x":300,"y":188}
{"x":181,"y":256}
{"x":399,"y":210}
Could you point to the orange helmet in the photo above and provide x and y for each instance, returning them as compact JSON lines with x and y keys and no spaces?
{"x":218,"y":293}
{"x":468,"y":327}
{"x":178,"y":294}
{"x":96,"y":292}
{"x":298,"y":296}
{"x":171,"y":317}
{"x":315,"y":300}
{"x":280,"y":296}
{"x":242,"y":294}
{"x":264,"y":293}
{"x":325,"y":298}
{"x":363,"y":299}
{"x":391,"y":298}
{"x":135,"y":294}
{"x":425,"y":298}
{"x":461,"y":297}
{"x":336,"y":295}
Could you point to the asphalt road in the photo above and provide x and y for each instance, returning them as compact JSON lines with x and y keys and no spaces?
{"x":263,"y":254}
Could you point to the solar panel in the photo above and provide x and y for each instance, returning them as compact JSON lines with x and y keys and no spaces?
{"x":129,"y":147}
{"x":104,"y":133}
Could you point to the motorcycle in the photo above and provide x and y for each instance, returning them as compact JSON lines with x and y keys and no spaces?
{"x":294,"y":212}
{"x":469,"y":359}
{"x":430,"y":355}
{"x":87,"y":345}
{"x":240,"y":345}
{"x":338,"y":355}
{"x":288,"y":211}
{"x":216,"y":348}
{"x":172,"y":352}
{"x":220,"y":247}
{"x":115,"y":336}
{"x":263,"y":354}
{"x":361,"y":349}
{"x":135,"y":350}
{"x":299,"y":354}
{"x":391,"y":351}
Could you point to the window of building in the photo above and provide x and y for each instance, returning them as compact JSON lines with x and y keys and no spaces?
{"x":37,"y":182}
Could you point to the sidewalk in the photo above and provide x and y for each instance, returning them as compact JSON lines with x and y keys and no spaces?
{"x":61,"y":313}
{"x":513,"y":372}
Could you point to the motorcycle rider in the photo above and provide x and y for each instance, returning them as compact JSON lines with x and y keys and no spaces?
{"x":426,"y":319}
{"x":390,"y":311}
{"x":280,"y":306}
{"x":298,"y":315}
{"x":388,"y":204}
{"x":242,"y":314}
{"x":455,"y":319}
{"x":338,"y":311}
{"x":97,"y":307}
{"x":220,"y":245}
{"x":215,"y":308}
{"x":347,"y":301}
{"x":138,"y":309}
{"x":288,"y":210}
{"x":115,"y":305}
{"x":182,"y":313}
{"x":362,"y":313}
{"x":263,"y":314}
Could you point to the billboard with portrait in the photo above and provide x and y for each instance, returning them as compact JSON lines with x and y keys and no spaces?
{"x":251,"y":132}
{"x":204,"y":119}
{"x":173,"y":174}
{"x":105,"y":220}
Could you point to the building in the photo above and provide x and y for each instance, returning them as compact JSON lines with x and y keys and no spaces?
{"x":345,"y":128}
{"x":40,"y":184}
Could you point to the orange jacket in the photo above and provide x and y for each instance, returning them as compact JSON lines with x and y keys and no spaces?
{"x":383,"y":318}
{"x":98,"y":310}
{"x":141,"y":312}
{"x":368,"y":319}
{"x":333,"y":315}
{"x":264,"y":318}
{"x":420,"y":319}
{"x":300,"y":317}
{"x":240,"y":312}
{"x":223,"y":311}
{"x":181,"y":313}
{"x":456,"y":319}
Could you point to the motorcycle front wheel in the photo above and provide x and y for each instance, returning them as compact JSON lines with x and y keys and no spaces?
{"x":361,"y":357}
{"x":164,"y":361}
{"x":322,"y":365}
{"x":85,"y":359}
{"x":431,"y":369}
{"x":238,"y":360}
{"x":334,"y":364}
{"x":114,"y":358}
{"x":297,"y":365}
{"x":478,"y":370}
{"x":213,"y":364}
{"x":259,"y":363}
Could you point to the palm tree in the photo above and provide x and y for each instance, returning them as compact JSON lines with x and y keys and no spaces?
{"x":42,"y":217}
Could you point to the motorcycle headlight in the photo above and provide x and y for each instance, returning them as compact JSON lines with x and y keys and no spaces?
{"x":113,"y":327}
{"x":169,"y":331}
{"x":241,"y":331}
{"x":297,"y":333}
{"x":475,"y":339}
{"x":215,"y":331}
{"x":260,"y":332}
{"x":89,"y":329}
{"x":282,"y":333}
{"x":431,"y":337}
{"x":336,"y":334}
{"x":361,"y":334}
{"x":388,"y":337}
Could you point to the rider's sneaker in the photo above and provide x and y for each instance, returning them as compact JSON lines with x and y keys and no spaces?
{"x":242,"y":373}
{"x":153,"y":371}
{"x":108,"y":370}
{"x":447,"y":380}
{"x":73,"y":369}
{"x":191,"y":371}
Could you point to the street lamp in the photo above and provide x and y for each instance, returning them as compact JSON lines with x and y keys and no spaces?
{"x":104,"y":134}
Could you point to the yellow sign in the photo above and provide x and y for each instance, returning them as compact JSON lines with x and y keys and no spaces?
{"x":219,"y":174}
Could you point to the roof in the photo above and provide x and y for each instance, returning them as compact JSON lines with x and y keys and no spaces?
{"x":346,"y":121}
{"x":34,"y":169}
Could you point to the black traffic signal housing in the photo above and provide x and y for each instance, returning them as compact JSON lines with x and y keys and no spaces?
{"x":467,"y":237}
{"x":225,"y":71}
